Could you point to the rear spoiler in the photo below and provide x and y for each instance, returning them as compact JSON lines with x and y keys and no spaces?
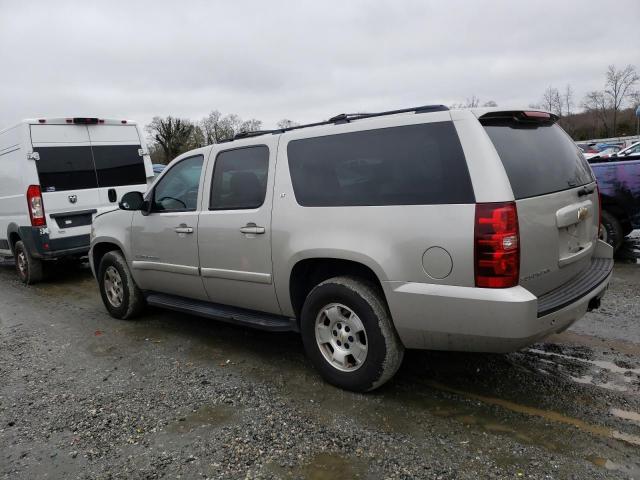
{"x":519,"y":117}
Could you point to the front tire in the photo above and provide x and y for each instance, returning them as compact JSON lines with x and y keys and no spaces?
{"x":120,"y":294}
{"x":349,"y":336}
{"x":29,"y":269}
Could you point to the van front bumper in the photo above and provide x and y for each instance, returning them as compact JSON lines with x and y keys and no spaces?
{"x":445,"y":317}
{"x":39,"y":244}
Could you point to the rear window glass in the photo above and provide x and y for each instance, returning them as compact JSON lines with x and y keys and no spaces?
{"x":409,"y":165}
{"x":81,"y":167}
{"x":65,"y":168}
{"x":119,"y":165}
{"x":539,"y":159}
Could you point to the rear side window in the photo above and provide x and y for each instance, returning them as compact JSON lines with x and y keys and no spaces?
{"x":409,"y":165}
{"x":240,"y":178}
{"x":65,"y":168}
{"x":119,"y":165}
{"x":538,"y":159}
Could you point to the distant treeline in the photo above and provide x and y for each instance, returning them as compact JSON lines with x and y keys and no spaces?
{"x":605,"y":113}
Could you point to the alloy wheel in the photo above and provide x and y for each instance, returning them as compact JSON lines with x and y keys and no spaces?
{"x":341,"y":337}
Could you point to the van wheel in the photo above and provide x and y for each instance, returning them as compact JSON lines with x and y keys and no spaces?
{"x":611,"y":230}
{"x":348,"y":334}
{"x":29,"y":269}
{"x":119,"y":291}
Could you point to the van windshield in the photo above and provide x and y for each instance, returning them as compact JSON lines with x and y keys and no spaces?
{"x":82,"y":167}
{"x":538,"y":159}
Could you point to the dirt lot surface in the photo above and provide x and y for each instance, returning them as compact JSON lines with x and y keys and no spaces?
{"x":174,"y":396}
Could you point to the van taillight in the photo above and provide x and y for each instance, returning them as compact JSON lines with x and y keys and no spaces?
{"x":497,"y":245}
{"x":36,"y":207}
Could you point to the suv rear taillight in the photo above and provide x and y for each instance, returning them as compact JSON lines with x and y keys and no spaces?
{"x":497,"y":245}
{"x":36,"y":207}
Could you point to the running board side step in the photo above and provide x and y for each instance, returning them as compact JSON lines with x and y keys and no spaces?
{"x":225,"y":313}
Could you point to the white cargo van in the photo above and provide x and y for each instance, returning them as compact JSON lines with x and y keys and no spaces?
{"x":56,"y":174}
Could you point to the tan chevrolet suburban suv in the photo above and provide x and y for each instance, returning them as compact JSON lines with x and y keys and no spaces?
{"x":472,"y":230}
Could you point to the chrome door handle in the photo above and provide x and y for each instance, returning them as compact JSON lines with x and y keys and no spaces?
{"x":252,"y":228}
{"x":183,"y":228}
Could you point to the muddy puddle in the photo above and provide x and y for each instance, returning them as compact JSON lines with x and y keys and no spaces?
{"x":619,"y":376}
{"x":207,"y":416}
{"x":325,"y":466}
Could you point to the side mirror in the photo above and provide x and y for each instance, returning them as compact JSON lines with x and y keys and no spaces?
{"x":131,"y":201}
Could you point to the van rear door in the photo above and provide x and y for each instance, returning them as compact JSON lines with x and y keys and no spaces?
{"x":67,"y":177}
{"x":555,"y":193}
{"x":119,"y":161}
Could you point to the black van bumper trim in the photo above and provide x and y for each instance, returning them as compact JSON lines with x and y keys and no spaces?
{"x":40,"y":245}
{"x":74,"y":213}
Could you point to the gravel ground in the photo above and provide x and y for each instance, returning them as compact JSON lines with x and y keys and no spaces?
{"x":176,"y":396}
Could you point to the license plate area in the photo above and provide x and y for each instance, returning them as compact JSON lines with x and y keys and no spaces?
{"x":73,"y":219}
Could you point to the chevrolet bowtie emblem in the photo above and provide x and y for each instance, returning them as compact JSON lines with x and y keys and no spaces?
{"x":583,"y":212}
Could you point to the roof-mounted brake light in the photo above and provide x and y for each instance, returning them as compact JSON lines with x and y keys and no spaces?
{"x":536,"y":114}
{"x":85,"y":121}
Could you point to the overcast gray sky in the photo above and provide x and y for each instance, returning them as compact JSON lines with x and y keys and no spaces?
{"x":302,"y":60}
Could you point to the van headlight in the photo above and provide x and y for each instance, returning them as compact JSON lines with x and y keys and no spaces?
{"x":92,"y":234}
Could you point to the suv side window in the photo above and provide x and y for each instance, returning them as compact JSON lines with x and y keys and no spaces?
{"x":240,"y":178}
{"x":177,"y":191}
{"x":419,"y":164}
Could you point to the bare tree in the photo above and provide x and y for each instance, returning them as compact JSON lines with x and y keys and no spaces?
{"x":251,"y":125}
{"x":490,"y":103}
{"x":567,"y":99}
{"x":217,"y":128}
{"x":618,"y":87}
{"x":595,"y":102}
{"x":172,"y":134}
{"x":472,"y":102}
{"x":551,"y":100}
{"x":286,"y":123}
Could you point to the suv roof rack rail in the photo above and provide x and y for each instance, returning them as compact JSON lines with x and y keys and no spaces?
{"x":344,"y":118}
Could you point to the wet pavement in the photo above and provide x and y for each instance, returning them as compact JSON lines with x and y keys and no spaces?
{"x":175,"y":396}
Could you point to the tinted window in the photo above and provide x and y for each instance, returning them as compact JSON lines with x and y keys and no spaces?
{"x":65,"y":168}
{"x":119,"y":165}
{"x":240,"y":178}
{"x":177,"y":190}
{"x":410,"y":165}
{"x":539,"y":159}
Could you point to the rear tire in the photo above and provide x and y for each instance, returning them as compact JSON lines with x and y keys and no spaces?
{"x":611,"y":230}
{"x":349,"y":336}
{"x":120,"y":294}
{"x":29,"y":269}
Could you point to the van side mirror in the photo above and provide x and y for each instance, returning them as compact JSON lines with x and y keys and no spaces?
{"x":131,"y":201}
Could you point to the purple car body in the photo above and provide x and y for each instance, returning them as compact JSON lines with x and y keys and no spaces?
{"x":619,"y":184}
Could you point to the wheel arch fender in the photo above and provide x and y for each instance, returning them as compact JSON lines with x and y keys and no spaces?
{"x":100,"y":246}
{"x":13,"y":234}
{"x":336,"y":261}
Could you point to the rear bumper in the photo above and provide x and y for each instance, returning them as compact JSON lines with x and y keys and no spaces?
{"x":444,"y":317}
{"x":40,"y":245}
